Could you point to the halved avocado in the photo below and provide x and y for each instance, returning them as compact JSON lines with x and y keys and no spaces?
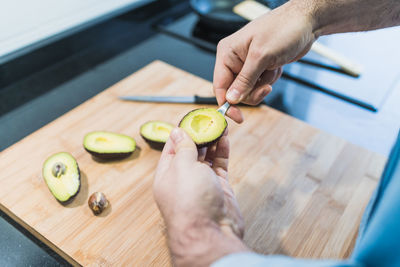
{"x":107,"y":145}
{"x":62,"y":176}
{"x":204,"y":125}
{"x":156,"y":133}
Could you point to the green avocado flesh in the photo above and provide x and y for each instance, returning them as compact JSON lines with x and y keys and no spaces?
{"x":62,"y":176}
{"x":156,"y":133}
{"x":109,"y":145}
{"x":204,"y":125}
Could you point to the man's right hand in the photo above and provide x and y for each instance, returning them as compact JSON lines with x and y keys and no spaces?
{"x":250,"y":60}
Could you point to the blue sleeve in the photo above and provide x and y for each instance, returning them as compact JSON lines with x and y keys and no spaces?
{"x":257,"y":260}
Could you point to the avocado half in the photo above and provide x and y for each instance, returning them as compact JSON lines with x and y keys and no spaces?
{"x":62,"y":176}
{"x":204,"y":125}
{"x":107,"y":145}
{"x":156,"y":133}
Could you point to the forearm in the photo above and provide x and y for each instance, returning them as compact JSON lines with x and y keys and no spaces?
{"x":201,"y":243}
{"x":336,"y":16}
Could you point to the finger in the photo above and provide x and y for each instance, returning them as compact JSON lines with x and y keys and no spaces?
{"x":202,"y":154}
{"x":268,"y":77}
{"x":223,"y":74}
{"x":166,"y":158}
{"x":210,"y":153}
{"x":227,"y":65}
{"x":214,"y":152}
{"x":245,"y":80}
{"x":184,"y":147}
{"x":262,"y":87}
{"x":235,"y":114}
{"x":257,"y":95}
{"x":221,"y":156}
{"x":278,"y":74}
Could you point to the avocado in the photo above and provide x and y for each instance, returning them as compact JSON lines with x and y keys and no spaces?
{"x":107,"y":145}
{"x":62,"y":176}
{"x":156,"y":133}
{"x":204,"y":125}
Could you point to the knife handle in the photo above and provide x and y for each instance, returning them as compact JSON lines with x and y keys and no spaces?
{"x":211,"y":100}
{"x":205,"y":100}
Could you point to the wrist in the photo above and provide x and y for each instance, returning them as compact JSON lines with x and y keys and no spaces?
{"x":201,"y":243}
{"x":305,"y":11}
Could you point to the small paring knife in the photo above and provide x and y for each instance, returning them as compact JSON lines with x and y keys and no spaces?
{"x":172,"y":99}
{"x":176,"y":99}
{"x":224,"y":108}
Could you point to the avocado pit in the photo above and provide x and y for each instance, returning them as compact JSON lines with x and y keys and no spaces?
{"x":97,"y":202}
{"x":62,"y":176}
{"x":58,"y":169}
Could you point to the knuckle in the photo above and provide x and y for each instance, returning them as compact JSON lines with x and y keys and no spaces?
{"x":222,"y":44}
{"x":244,"y":80}
{"x":256,"y":54}
{"x":226,"y":57}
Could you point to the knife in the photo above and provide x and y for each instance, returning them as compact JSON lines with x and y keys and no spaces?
{"x":176,"y":99}
{"x":172,"y":99}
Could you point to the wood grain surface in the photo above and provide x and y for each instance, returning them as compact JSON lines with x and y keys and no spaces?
{"x":302,"y":191}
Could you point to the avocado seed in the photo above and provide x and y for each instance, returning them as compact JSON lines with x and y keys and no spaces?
{"x":58,"y":169}
{"x":97,"y":202}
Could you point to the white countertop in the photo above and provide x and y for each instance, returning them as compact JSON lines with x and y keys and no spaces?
{"x":26,"y":24}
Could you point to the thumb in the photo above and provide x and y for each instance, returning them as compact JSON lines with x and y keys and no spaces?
{"x":244,"y":81}
{"x":185,"y":148}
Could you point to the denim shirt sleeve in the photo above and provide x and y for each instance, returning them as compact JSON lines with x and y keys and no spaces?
{"x":257,"y":260}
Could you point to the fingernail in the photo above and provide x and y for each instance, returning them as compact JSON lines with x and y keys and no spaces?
{"x":233,"y":95}
{"x":176,"y":135}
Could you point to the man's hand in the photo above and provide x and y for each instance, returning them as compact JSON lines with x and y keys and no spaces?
{"x":199,"y":208}
{"x":250,"y":60}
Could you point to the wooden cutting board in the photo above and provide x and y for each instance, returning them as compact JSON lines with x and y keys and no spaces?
{"x":302,"y":191}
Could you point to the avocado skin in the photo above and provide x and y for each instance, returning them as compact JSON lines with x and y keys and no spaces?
{"x":205,"y":144}
{"x":68,"y":201}
{"x":153,"y":144}
{"x":109,"y":156}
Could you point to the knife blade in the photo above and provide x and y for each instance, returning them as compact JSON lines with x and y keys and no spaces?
{"x":172,"y":99}
{"x":204,"y":100}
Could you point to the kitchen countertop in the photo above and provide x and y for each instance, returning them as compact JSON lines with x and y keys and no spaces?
{"x":19,"y":248}
{"x":26,"y":25}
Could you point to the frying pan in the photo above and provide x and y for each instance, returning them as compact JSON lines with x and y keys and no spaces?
{"x":219,"y":15}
